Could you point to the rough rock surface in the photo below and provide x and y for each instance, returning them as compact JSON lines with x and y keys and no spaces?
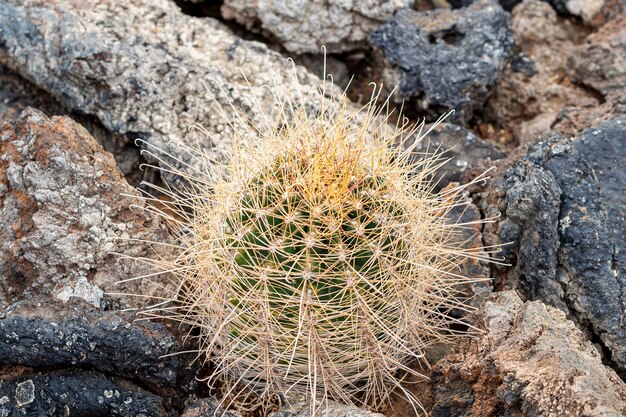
{"x":333,"y":410}
{"x":207,"y":407}
{"x":563,"y":208}
{"x":304,"y":27}
{"x":76,"y":393}
{"x":531,"y":361}
{"x":139,"y":67}
{"x":468,"y":155}
{"x":529,"y":97}
{"x":63,"y":213}
{"x":446,"y":59}
{"x":49,"y":334}
{"x":599,"y":64}
{"x":16,"y":95}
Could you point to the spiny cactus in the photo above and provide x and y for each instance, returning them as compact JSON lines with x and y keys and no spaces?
{"x":317,"y":261}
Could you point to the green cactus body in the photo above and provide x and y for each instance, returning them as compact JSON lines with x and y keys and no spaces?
{"x":315,"y":256}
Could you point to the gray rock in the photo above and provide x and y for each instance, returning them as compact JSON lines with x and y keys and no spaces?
{"x":139,"y":68}
{"x":207,"y":407}
{"x":47,"y":334}
{"x":506,"y":4}
{"x":64,"y":211}
{"x":530,"y":361}
{"x":330,"y":409}
{"x":563,"y":210}
{"x":75,"y":393}
{"x":446,"y":59}
{"x":304,"y":27}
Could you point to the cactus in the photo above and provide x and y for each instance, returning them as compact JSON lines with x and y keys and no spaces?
{"x":318,"y":263}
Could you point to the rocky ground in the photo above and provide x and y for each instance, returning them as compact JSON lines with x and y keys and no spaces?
{"x":538,"y":92}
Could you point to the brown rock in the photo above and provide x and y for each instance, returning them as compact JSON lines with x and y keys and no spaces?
{"x":526,"y":98}
{"x":531,"y":361}
{"x":600,"y":64}
{"x":63,"y":211}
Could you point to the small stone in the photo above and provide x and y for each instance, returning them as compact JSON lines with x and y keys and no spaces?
{"x":24,"y":393}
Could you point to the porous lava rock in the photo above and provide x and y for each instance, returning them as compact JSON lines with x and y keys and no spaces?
{"x":76,"y":393}
{"x":65,"y":208}
{"x":563,"y":209}
{"x":445,"y":59}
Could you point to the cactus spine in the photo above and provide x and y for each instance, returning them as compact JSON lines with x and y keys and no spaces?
{"x":317,"y":261}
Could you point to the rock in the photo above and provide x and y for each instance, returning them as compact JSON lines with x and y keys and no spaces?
{"x":592,"y":12}
{"x":530,"y":361}
{"x":304,"y":27}
{"x":534,"y":89}
{"x":506,"y":4}
{"x":600,"y":62}
{"x":563,"y":209}
{"x":75,"y":393}
{"x":16,"y":95}
{"x":63,"y":208}
{"x":446,"y":59}
{"x":49,"y":334}
{"x":330,"y":409}
{"x":139,"y":67}
{"x":468,"y":155}
{"x":207,"y":407}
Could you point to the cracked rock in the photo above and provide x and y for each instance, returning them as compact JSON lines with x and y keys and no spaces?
{"x":144,"y":69}
{"x":304,"y":27}
{"x":563,"y":209}
{"x":531,"y":361}
{"x":63,"y":211}
{"x":48,"y":334}
{"x":446,"y":59}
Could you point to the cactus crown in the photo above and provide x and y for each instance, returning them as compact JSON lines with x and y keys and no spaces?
{"x":317,"y":262}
